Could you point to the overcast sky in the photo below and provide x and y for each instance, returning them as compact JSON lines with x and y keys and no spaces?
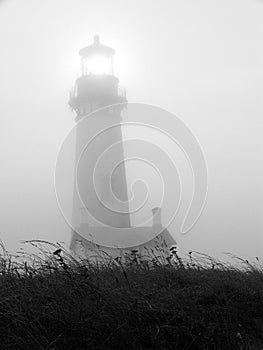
{"x":201,"y":60}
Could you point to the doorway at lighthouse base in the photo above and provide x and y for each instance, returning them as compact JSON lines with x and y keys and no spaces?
{"x":158,"y":247}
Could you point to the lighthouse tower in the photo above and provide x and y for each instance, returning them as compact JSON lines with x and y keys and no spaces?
{"x":100,"y":199}
{"x":97,"y":87}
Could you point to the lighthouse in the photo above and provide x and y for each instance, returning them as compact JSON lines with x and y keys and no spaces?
{"x":100,"y":214}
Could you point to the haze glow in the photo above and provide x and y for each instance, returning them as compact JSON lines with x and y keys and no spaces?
{"x":200,"y":60}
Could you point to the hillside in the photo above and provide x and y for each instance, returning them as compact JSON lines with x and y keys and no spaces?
{"x":57,"y":302}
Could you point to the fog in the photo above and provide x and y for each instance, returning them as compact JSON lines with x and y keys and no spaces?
{"x":201,"y":61}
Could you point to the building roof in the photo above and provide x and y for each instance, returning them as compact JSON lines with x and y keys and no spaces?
{"x":124,"y":237}
{"x":96,"y":49}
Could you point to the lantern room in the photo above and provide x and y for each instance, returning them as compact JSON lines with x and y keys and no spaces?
{"x":96,"y":86}
{"x":96,"y":59}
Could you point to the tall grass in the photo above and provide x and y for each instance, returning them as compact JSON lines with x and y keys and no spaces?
{"x":51,"y":300}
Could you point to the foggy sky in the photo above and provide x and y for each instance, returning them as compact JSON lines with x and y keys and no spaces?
{"x":201,"y":60}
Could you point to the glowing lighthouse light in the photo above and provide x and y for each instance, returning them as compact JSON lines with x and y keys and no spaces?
{"x":98,"y":65}
{"x":97,"y":59}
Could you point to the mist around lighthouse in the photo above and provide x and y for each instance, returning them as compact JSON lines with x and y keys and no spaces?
{"x":206,"y":74}
{"x":107,"y":212}
{"x":131,"y":176}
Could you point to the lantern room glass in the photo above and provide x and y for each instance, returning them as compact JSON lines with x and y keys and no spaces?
{"x":97,"y":65}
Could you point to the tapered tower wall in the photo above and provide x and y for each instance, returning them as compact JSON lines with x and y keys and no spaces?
{"x":98,"y":188}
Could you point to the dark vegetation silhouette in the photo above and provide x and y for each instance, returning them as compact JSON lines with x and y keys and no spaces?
{"x":50,"y":300}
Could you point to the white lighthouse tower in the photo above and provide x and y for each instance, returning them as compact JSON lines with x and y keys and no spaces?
{"x":100,"y":200}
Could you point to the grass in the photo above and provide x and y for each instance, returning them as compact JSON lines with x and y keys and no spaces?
{"x":52,"y":301}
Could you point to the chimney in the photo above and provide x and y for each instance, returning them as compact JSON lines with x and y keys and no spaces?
{"x":157,"y":217}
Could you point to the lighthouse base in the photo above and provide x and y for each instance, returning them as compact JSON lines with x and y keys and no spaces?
{"x":158,"y":247}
